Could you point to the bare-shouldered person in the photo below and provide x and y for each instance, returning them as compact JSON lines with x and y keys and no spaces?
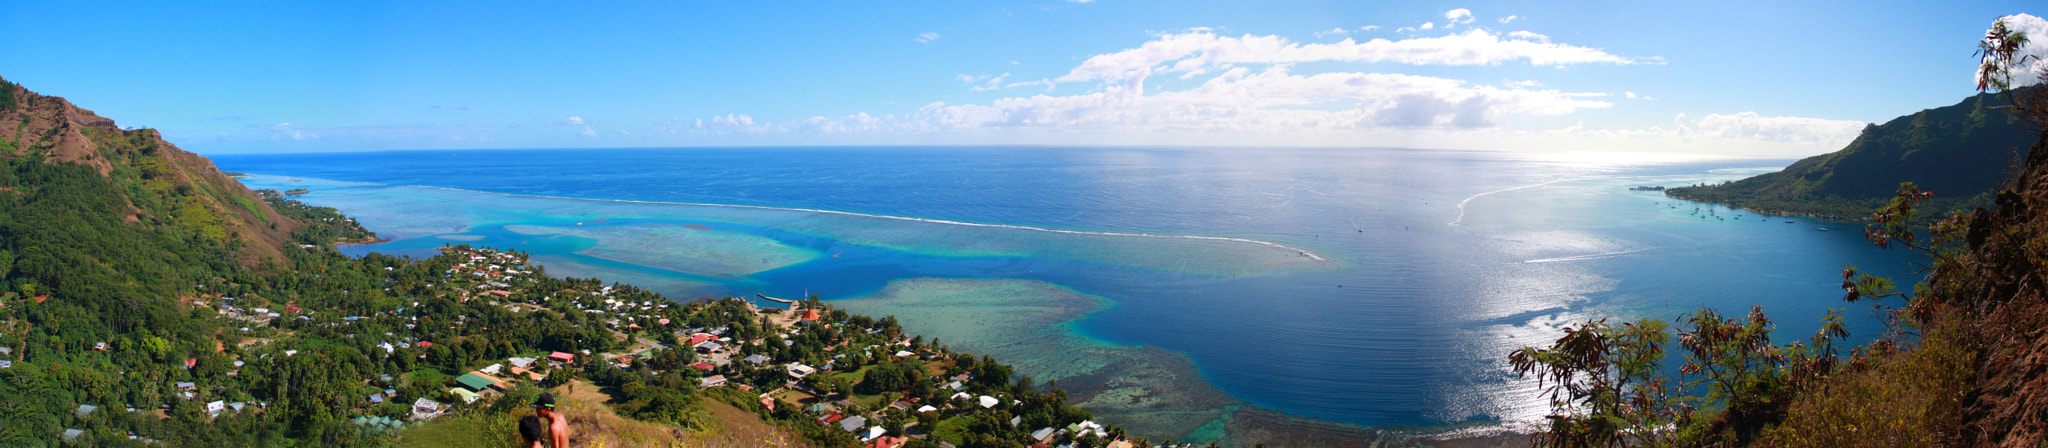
{"x":558,"y":424}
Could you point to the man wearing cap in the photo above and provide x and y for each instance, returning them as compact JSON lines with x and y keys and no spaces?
{"x":558,"y":424}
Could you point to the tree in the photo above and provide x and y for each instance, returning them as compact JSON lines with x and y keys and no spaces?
{"x":1603,"y":385}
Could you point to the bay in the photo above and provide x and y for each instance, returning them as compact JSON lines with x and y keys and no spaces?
{"x":1366,"y":286}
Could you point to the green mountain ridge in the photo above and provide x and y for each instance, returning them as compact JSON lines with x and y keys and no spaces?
{"x":1962,"y":152}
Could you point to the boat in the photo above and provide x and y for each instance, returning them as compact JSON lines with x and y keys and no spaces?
{"x":1823,"y":229}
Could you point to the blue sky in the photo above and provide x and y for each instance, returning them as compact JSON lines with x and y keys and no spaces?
{"x":1724,"y":78}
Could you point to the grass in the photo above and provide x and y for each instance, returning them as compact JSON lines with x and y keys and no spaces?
{"x":854,"y":377}
{"x":951,"y":430}
{"x":1910,"y":398}
{"x":475,"y":429}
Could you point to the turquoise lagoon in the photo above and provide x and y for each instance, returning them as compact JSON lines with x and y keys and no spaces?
{"x":1367,"y":286}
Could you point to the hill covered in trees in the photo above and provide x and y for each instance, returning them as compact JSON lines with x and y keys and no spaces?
{"x":1962,"y":151}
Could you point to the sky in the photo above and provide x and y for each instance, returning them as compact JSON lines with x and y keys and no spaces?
{"x":1724,"y":78}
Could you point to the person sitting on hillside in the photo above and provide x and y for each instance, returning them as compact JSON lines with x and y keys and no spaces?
{"x":534,"y":431}
{"x":558,"y":424}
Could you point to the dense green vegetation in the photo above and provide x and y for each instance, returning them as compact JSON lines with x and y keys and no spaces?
{"x":1962,"y":151}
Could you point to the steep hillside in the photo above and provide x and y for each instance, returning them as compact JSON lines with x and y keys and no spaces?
{"x":1961,"y":152}
{"x":158,"y":185}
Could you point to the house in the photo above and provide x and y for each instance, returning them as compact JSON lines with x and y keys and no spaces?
{"x":713,"y":381}
{"x":72,"y":435}
{"x":479,"y":382}
{"x":492,"y":369}
{"x":708,"y":347}
{"x":85,"y":410}
{"x":854,"y":423}
{"x":887,"y":442}
{"x":185,"y":385}
{"x":700,"y":338}
{"x":989,"y":402}
{"x":521,"y":362}
{"x":377,"y":398}
{"x":926,"y":408}
{"x":701,"y":366}
{"x":799,"y":370}
{"x":215,"y":407}
{"x":1042,"y":434}
{"x":5,"y":364}
{"x":424,"y":409}
{"x":562,"y":357}
{"x":757,"y":359}
{"x":871,"y":433}
{"x":464,"y":394}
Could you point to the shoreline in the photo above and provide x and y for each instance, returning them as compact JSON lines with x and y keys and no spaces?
{"x":379,"y":240}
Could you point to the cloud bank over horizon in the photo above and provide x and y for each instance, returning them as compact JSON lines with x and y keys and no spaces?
{"x":1442,"y":77}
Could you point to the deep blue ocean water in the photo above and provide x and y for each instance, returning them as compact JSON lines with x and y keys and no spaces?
{"x":1438,"y":262}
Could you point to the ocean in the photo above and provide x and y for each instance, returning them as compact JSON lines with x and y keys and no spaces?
{"x":1169,"y":287}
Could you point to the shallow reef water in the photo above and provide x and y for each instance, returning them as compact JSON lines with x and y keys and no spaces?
{"x":1193,"y":294}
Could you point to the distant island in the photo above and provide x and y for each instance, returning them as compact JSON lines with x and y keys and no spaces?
{"x":1646,"y":188}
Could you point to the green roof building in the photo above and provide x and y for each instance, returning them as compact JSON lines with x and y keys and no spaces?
{"x":475,"y":382}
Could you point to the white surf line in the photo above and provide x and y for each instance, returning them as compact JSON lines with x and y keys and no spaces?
{"x":1590,"y":257}
{"x":1303,"y":252}
{"x":1461,"y":204}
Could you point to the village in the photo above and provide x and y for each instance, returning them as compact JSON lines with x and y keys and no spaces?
{"x":455,"y":332}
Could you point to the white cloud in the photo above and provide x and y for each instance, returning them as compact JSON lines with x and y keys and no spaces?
{"x":1203,"y":50}
{"x":574,"y":121}
{"x":1332,"y":32}
{"x":291,"y":131}
{"x":984,"y":82}
{"x":730,"y":120}
{"x":1751,"y":125}
{"x":1405,"y":29}
{"x":1081,"y":1}
{"x":1272,"y":100}
{"x":1015,"y":63}
{"x":1428,"y":26}
{"x":926,"y":37}
{"x":1368,"y":27}
{"x":1246,"y":91}
{"x":1525,"y":35}
{"x":1457,"y":17}
{"x":1511,"y":18}
{"x":2028,"y":73}
{"x":587,"y":132}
